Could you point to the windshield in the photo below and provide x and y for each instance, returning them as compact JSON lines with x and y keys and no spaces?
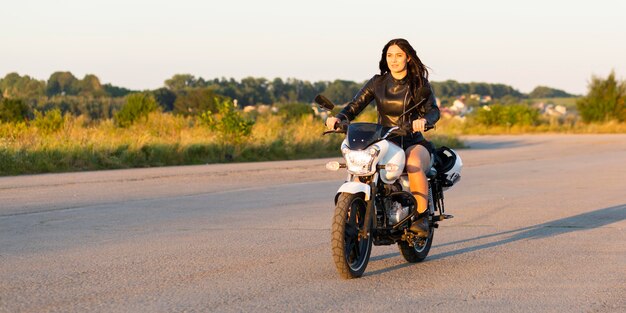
{"x":361,"y":135}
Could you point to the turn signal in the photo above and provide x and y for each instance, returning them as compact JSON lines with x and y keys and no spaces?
{"x":390,"y":167}
{"x":332,"y":166}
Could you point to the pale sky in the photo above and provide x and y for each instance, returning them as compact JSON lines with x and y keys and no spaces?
{"x":140,"y":44}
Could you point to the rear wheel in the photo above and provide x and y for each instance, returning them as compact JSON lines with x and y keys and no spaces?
{"x":350,"y":252}
{"x":419,"y":250}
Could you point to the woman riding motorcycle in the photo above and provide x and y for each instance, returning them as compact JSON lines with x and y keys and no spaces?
{"x":395,"y":90}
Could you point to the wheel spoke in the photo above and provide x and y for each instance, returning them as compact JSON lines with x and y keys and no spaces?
{"x":357,"y":249}
{"x":349,"y":251}
{"x":352,"y":231}
{"x":353,"y":213}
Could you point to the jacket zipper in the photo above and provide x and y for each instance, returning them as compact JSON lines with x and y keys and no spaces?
{"x":404,"y":116}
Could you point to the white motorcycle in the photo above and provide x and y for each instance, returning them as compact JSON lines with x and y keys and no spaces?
{"x":375,"y":204}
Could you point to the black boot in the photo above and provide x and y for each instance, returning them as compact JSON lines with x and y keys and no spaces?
{"x":420,"y":226}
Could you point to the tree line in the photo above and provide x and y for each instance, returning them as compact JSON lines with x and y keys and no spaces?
{"x":191,"y":95}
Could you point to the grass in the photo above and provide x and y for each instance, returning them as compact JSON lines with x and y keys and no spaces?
{"x":160,"y":140}
{"x":455,"y":127}
{"x":164,"y":139}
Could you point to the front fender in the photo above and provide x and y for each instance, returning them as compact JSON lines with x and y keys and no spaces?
{"x":354,"y":188}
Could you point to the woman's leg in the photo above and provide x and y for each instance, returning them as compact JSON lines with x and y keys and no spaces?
{"x":417,"y":163}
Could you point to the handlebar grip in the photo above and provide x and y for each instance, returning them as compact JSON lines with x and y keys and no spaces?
{"x":408,"y":127}
{"x":341,"y":125}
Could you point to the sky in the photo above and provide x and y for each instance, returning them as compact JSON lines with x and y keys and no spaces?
{"x":139,"y":44}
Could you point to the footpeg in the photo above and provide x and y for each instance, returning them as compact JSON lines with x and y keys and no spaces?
{"x":442,"y":217}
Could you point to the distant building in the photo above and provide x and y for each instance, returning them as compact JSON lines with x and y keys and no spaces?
{"x":550,"y":109}
{"x":458,"y":106}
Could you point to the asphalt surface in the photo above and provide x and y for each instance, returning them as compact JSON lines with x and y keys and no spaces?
{"x":540,"y":226}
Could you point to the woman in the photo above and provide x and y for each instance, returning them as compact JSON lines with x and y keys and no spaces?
{"x":395,"y":91}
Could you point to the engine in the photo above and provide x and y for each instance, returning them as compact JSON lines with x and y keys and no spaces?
{"x":396,"y":212}
{"x":397,"y":203}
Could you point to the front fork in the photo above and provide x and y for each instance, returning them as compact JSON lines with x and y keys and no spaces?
{"x":365,"y":232}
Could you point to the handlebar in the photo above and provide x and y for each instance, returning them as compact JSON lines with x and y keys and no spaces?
{"x":341,"y":127}
{"x":407,"y":128}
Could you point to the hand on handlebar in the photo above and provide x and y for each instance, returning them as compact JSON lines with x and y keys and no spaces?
{"x":331,"y":122}
{"x":419,"y":125}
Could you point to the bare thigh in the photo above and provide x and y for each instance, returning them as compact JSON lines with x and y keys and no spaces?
{"x":418,"y":159}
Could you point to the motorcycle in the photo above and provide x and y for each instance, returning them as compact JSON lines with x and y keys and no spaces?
{"x":374,"y":205}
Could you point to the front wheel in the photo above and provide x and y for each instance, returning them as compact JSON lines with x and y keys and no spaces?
{"x":350,"y":252}
{"x":419,"y":250}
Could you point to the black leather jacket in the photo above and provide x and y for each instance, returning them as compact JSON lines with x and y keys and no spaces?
{"x":392,"y":97}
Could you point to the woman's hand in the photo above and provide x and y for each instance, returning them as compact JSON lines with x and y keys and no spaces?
{"x":330,"y":122}
{"x":419,"y":125}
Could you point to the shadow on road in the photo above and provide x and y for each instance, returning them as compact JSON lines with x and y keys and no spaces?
{"x":585,"y":221}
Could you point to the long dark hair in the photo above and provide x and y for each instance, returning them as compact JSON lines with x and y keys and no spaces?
{"x":416,"y":70}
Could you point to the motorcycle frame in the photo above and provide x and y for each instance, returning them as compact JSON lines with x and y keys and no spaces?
{"x":370,"y":186}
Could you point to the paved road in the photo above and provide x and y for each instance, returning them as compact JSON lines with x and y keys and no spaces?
{"x":540,"y":226}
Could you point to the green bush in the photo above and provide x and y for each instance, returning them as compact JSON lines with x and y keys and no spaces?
{"x":13,"y":111}
{"x":48,"y":122}
{"x":138,"y":105}
{"x":606,"y":100}
{"x":228,"y":122}
{"x":507,"y":115}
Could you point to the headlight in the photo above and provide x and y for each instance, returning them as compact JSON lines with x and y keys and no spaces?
{"x":360,"y":162}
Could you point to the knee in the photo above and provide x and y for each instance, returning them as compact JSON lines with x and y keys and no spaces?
{"x":413,"y":168}
{"x":414,"y":164}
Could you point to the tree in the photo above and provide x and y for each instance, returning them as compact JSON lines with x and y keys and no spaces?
{"x":606,"y":100}
{"x":278,"y":90}
{"x":181,"y":82}
{"x":482,"y":89}
{"x":64,"y":83}
{"x":90,"y":86}
{"x":451,"y":88}
{"x":256,"y":91}
{"x":138,"y":105}
{"x":547,"y":92}
{"x":340,"y":91}
{"x":15,"y":86}
{"x":165,"y":98}
{"x":196,"y":101}
{"x":227,"y":88}
{"x":115,"y":91}
{"x":7,"y":83}
{"x":13,"y":110}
